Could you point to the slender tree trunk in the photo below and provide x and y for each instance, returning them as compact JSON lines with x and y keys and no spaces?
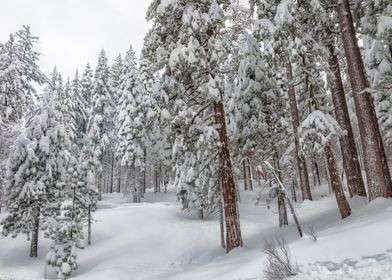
{"x":89,"y":226}
{"x":281,"y":197}
{"x":245,"y":175}
{"x":343,"y":205}
{"x":144,"y":172}
{"x":119,"y":178}
{"x":232,"y":222}
{"x":375,"y":161}
{"x":250,"y":176}
{"x":222,"y":225}
{"x":347,"y":141}
{"x":34,"y":235}
{"x":302,"y":169}
{"x":112,"y":174}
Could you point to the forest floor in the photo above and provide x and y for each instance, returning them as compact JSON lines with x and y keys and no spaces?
{"x":155,"y":240}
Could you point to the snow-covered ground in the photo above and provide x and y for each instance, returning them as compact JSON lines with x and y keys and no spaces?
{"x":155,"y":240}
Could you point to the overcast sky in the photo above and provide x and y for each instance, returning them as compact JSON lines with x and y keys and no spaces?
{"x":72,"y":32}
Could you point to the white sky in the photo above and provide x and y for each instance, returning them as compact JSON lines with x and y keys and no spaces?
{"x":72,"y":32}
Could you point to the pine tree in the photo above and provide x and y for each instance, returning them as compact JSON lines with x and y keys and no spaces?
{"x":192,"y":53}
{"x":35,"y":167}
{"x":316,"y":133}
{"x":86,"y":88}
{"x":131,"y":119}
{"x":276,"y":27}
{"x":78,"y":198}
{"x":375,"y":161}
{"x":99,"y":127}
{"x":259,"y":110}
{"x":18,"y":69}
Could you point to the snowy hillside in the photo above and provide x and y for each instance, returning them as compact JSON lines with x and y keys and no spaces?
{"x":155,"y":240}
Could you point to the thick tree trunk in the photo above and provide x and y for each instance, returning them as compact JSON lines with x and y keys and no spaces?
{"x":375,"y":161}
{"x":302,"y":169}
{"x":293,"y":192}
{"x":343,"y":205}
{"x":34,"y":235}
{"x":347,"y":141}
{"x":232,"y":222}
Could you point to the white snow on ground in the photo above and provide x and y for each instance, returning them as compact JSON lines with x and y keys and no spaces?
{"x":155,"y":240}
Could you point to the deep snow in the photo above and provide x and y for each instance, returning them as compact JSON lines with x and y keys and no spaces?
{"x":155,"y":240}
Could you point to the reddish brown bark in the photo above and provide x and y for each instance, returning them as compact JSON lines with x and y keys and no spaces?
{"x":347,"y":141}
{"x":343,"y":205}
{"x":375,"y":161}
{"x":34,"y":236}
{"x":302,"y":168}
{"x":232,"y":222}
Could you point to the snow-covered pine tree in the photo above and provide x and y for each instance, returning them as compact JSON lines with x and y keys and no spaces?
{"x":374,"y":25}
{"x":78,"y":198}
{"x":86,"y":89}
{"x":260,"y":113}
{"x":131,"y":131}
{"x":35,"y":167}
{"x":187,"y":41}
{"x":18,"y":69}
{"x":80,"y":112}
{"x":100,"y":123}
{"x":374,"y":157}
{"x":316,"y":133}
{"x":324,"y":24}
{"x":67,"y":102}
{"x":276,"y":28}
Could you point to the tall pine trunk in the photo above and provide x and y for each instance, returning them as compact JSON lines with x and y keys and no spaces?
{"x":34,"y":235}
{"x":302,"y":169}
{"x":347,"y":141}
{"x":333,"y":171}
{"x":375,"y":161}
{"x":232,"y":221}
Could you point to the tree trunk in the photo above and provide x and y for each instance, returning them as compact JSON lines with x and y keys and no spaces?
{"x":250,"y":177}
{"x":245,"y":175}
{"x":281,"y":197}
{"x":343,"y":205}
{"x":89,"y":226}
{"x":144,"y":186}
{"x":119,"y":178}
{"x":347,"y":141}
{"x":302,"y":169}
{"x":34,"y":235}
{"x":232,"y":222}
{"x":316,"y":167}
{"x":222,"y":225}
{"x":293,"y":193}
{"x":112,"y":174}
{"x":375,"y":161}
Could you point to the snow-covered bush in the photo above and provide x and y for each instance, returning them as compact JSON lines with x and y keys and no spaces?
{"x":279,"y":265}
